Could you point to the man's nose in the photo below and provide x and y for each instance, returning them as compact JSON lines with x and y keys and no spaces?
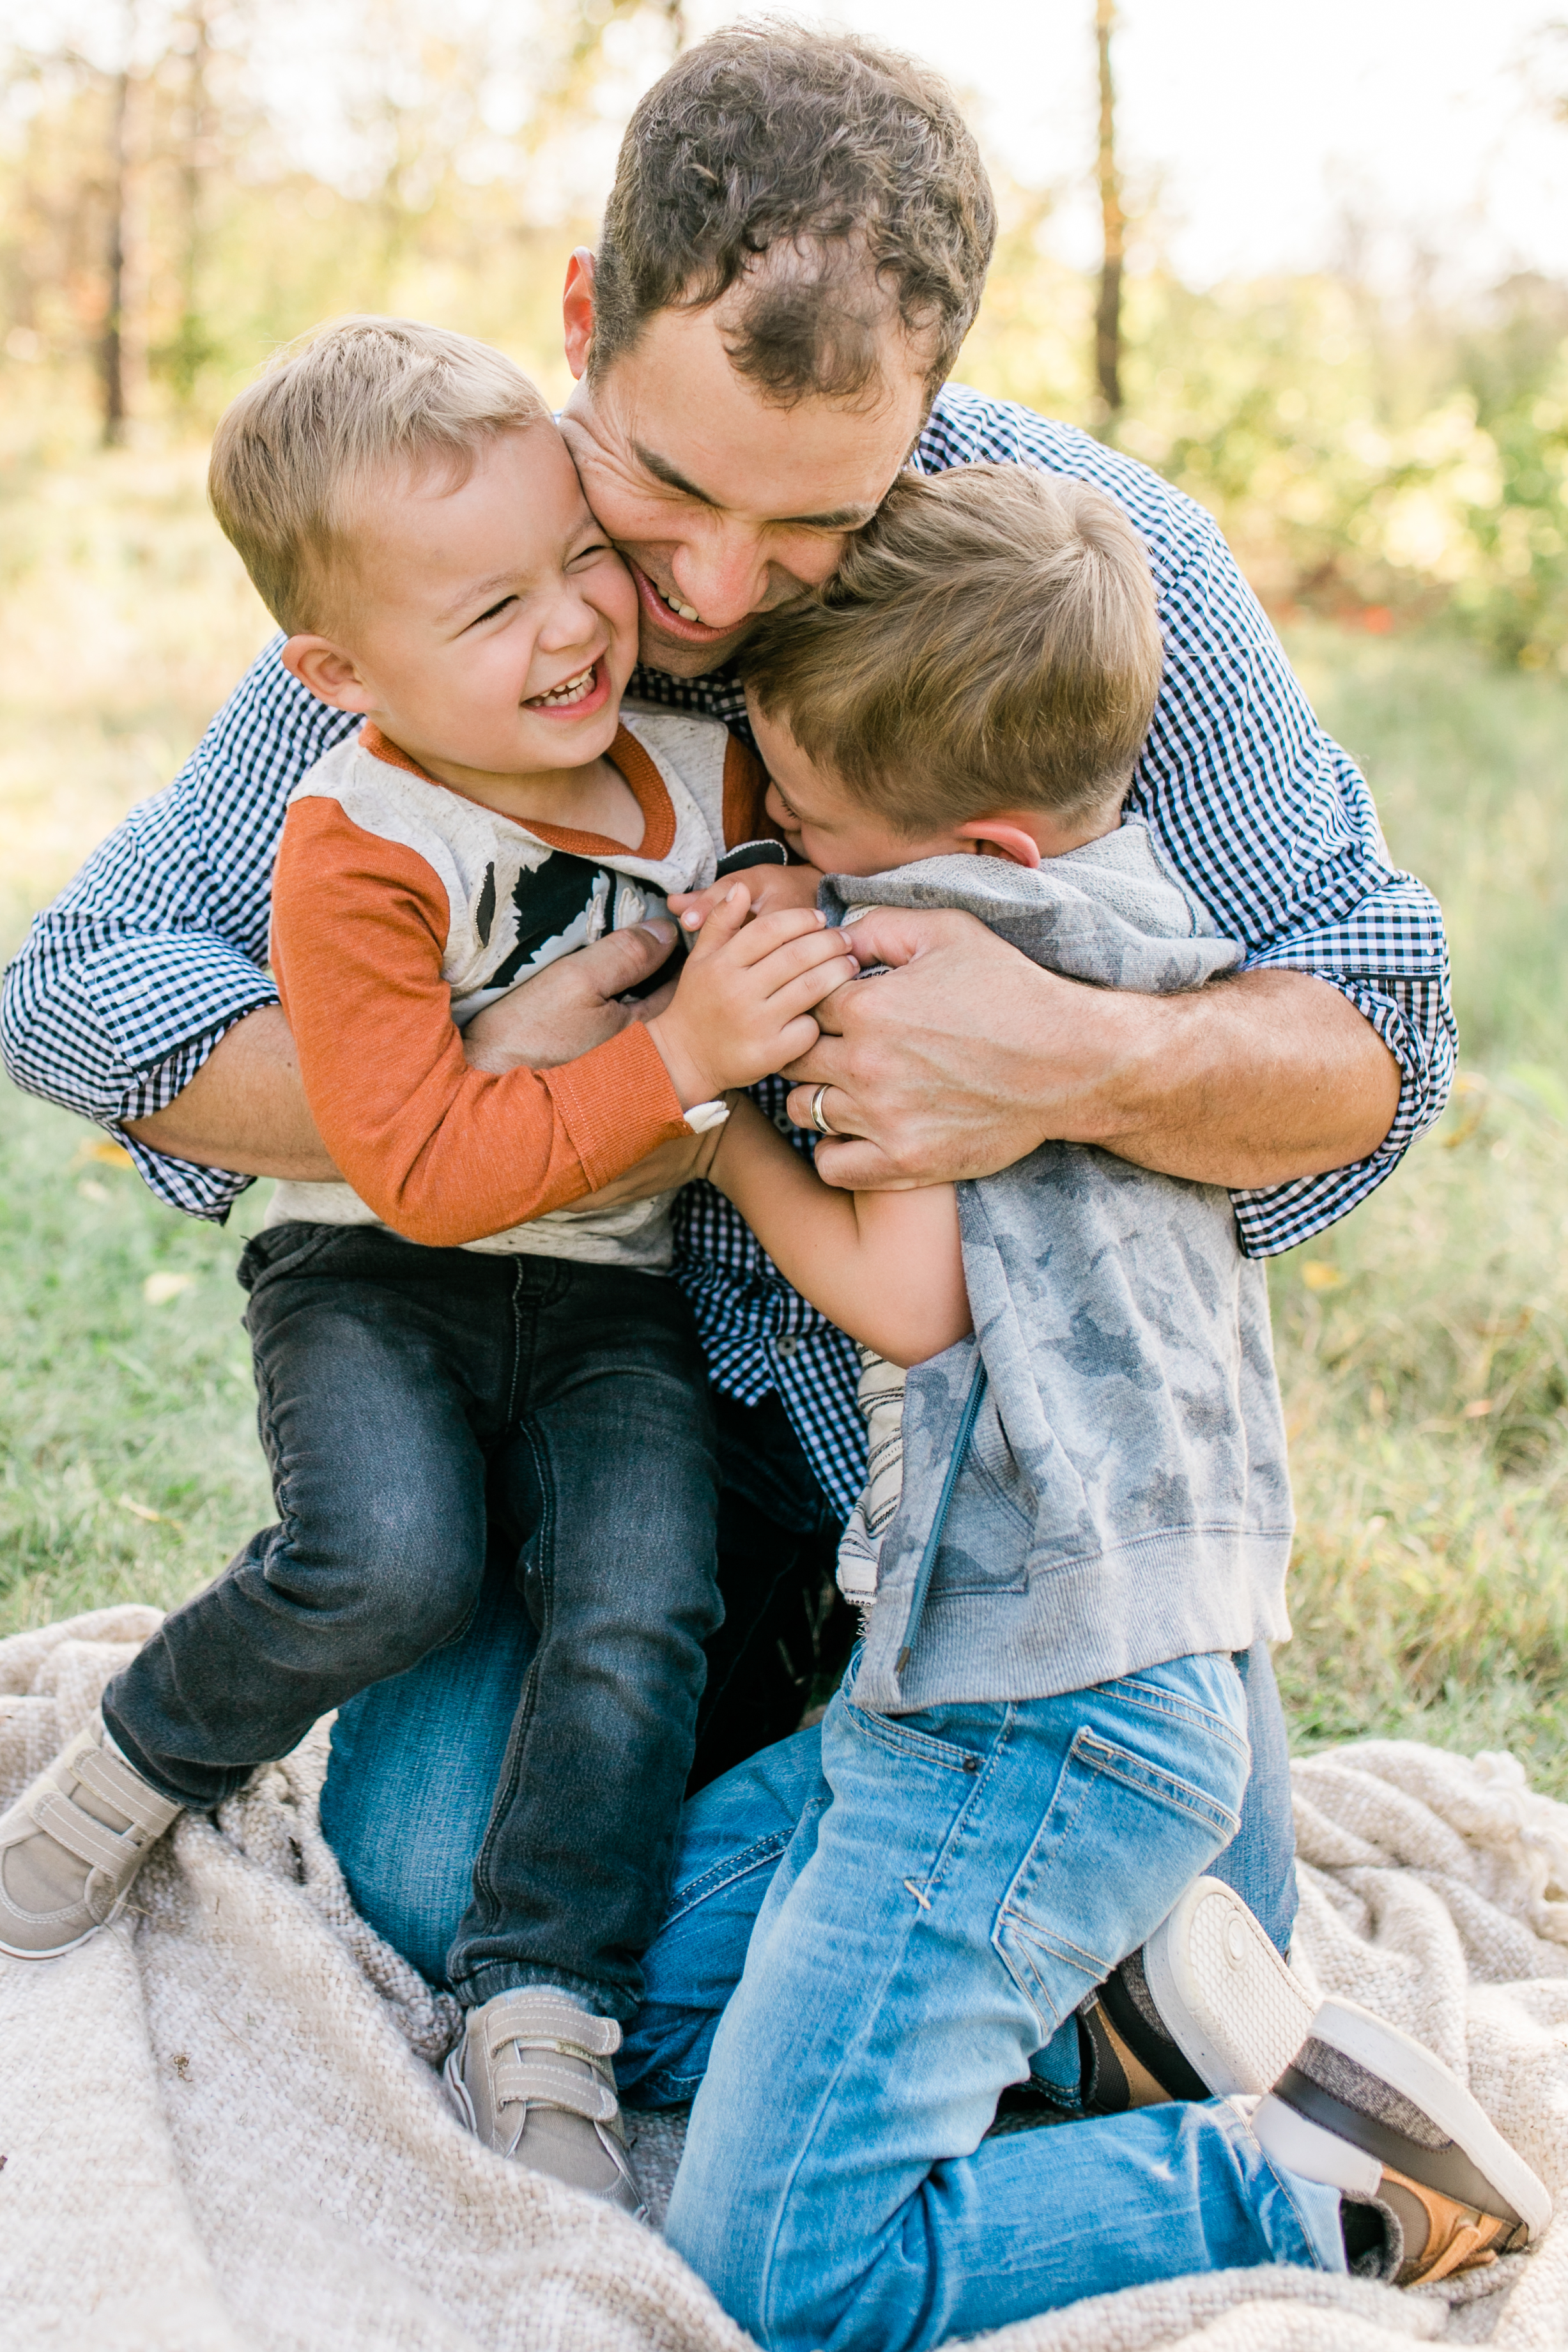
{"x":722,"y":571}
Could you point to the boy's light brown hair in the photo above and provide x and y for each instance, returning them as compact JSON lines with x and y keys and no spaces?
{"x":989,"y":642}
{"x":299,"y":447}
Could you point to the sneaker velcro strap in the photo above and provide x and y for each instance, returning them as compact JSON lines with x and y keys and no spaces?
{"x":532,"y":2079}
{"x":551,"y":2023}
{"x":89,"y":1840}
{"x":112,"y":1779}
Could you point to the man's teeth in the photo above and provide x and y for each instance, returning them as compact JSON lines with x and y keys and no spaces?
{"x":685,"y":611}
{"x":573,"y":691}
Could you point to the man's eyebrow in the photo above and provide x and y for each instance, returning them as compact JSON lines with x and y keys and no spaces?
{"x":854,"y":518}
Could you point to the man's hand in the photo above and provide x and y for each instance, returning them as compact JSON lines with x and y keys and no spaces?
{"x":966,"y":1056}
{"x":743,"y":1005}
{"x":574,"y":1005}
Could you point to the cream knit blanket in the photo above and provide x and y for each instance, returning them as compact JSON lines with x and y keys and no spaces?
{"x":222,"y":2132}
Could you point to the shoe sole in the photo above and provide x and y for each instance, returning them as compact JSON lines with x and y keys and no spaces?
{"x":1227,"y":1998}
{"x":59,"y":1951}
{"x":1422,"y":2078}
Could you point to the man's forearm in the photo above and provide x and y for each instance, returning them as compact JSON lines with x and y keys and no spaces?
{"x":1256,"y":1081}
{"x":245,"y":1108}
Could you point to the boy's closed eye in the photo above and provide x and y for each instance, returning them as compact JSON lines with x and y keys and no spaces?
{"x":491,"y":612}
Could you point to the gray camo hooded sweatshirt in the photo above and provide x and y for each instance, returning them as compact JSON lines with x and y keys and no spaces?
{"x":1096,"y":1481}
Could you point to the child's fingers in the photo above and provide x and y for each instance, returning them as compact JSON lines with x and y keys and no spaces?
{"x":723,"y":920}
{"x":784,"y":926}
{"x":798,"y":995}
{"x":694,"y":906}
{"x":788,"y":961}
{"x":797,"y":1037}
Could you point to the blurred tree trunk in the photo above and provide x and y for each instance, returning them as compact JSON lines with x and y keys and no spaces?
{"x":1113,"y":222}
{"x":191,"y":344}
{"x":111,"y":350}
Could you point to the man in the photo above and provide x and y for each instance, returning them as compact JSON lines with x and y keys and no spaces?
{"x":795,"y":248}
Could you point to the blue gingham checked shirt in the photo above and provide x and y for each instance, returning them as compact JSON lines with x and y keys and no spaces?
{"x":159,"y":946}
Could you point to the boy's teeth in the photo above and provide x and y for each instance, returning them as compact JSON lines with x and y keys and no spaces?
{"x":573,"y":691}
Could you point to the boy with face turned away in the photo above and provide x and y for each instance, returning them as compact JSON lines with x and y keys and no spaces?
{"x":531,"y":1376}
{"x":1078,"y":1509}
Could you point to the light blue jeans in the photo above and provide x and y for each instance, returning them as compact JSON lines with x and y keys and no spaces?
{"x":956,"y":1882}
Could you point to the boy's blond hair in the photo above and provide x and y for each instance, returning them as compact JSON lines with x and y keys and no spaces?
{"x":333,"y":410}
{"x":989,"y":642}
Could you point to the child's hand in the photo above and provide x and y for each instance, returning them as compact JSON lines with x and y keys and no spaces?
{"x":742,"y":1004}
{"x":771,"y":886}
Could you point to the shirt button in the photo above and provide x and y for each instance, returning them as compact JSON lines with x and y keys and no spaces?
{"x":786,"y":1347}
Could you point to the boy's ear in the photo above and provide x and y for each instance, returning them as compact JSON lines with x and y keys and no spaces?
{"x":327,"y":672}
{"x":994,"y":837}
{"x":577,"y":310}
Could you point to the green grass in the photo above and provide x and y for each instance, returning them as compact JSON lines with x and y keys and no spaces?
{"x":1430,"y":1587}
{"x":129,"y":1463}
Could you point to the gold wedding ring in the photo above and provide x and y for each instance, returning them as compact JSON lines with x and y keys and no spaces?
{"x":817,"y":1119}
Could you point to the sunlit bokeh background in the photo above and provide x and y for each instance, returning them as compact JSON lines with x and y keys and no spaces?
{"x":1344,"y":330}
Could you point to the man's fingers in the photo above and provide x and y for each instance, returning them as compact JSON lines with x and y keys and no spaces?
{"x":837,"y":1109}
{"x":830,"y":1012}
{"x":858,"y":1167}
{"x":649,"y":1008}
{"x":827,"y":1064}
{"x":621,"y":959}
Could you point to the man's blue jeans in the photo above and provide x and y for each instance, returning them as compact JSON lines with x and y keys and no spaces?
{"x":450,"y":1433}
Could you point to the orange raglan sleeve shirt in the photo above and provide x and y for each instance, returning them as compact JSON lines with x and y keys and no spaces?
{"x":444,"y":1154}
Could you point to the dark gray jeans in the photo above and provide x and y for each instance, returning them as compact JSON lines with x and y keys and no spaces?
{"x":423,"y":1410}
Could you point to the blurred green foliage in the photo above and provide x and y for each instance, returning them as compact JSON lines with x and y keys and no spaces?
{"x":1375,"y":460}
{"x":1379,"y":457}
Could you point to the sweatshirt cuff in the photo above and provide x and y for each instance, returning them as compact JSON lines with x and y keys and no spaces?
{"x":617,"y":1104}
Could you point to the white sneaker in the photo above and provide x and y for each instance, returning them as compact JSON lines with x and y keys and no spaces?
{"x":1364,"y":2109}
{"x":1224,"y":1996}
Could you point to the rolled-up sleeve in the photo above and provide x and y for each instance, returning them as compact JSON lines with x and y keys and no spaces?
{"x":1273,"y":826}
{"x":158,"y":946}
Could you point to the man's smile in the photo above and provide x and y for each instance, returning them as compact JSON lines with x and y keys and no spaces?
{"x":676,"y":620}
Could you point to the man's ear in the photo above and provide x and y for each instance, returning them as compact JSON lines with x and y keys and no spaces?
{"x":993,"y":837}
{"x":328,"y":673}
{"x":577,"y":310}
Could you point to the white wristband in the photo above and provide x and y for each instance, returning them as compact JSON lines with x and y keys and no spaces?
{"x":703,"y":1117}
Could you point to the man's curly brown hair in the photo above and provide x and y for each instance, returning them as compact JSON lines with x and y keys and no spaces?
{"x":834,"y":182}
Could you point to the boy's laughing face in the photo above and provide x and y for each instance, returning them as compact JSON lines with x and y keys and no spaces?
{"x":489,"y":626}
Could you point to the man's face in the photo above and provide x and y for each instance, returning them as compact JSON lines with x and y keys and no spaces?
{"x":724,"y":504}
